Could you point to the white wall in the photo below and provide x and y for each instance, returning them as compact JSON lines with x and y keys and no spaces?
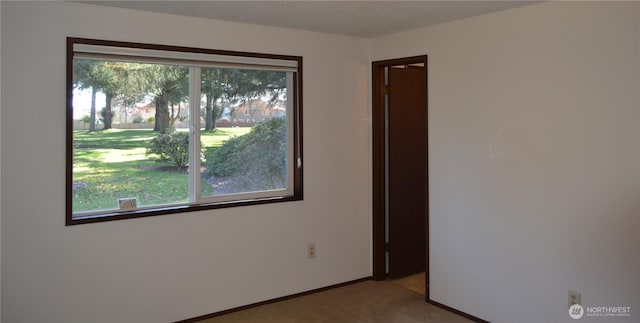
{"x":534,"y":134}
{"x":174,"y":267}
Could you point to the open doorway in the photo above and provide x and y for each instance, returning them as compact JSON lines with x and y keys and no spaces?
{"x":400,"y":171}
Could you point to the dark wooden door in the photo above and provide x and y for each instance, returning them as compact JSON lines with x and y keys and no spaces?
{"x":407,"y":153}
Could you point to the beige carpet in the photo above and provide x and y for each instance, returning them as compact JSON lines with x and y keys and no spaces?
{"x":415,"y":283}
{"x":368,"y":301}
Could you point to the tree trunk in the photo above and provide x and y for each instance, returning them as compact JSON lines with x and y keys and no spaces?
{"x":156,"y":125}
{"x":208,"y":113}
{"x":174,"y":116}
{"x":162,"y":113}
{"x":107,"y":111}
{"x":213,"y":122}
{"x":92,"y":116}
{"x":217,"y":114}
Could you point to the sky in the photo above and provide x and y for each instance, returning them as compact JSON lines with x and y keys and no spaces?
{"x":82,"y":103}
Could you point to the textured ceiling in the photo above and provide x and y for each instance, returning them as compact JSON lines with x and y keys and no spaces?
{"x":354,"y":18}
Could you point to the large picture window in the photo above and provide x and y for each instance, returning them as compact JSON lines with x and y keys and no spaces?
{"x":154,"y":129}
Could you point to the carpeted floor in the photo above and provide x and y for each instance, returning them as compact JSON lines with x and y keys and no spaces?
{"x":414,"y":283}
{"x":368,"y":301}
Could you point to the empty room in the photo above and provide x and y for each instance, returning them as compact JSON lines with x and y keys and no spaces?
{"x":521,"y":158}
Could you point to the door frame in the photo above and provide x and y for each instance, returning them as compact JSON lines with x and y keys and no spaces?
{"x":379,"y":164}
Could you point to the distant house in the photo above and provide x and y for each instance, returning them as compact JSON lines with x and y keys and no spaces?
{"x":147,"y":111}
{"x":251,"y":112}
{"x":245,"y":114}
{"x":144,"y":111}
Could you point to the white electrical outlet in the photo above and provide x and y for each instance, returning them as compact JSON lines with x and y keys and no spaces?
{"x":574,"y":298}
{"x":311,"y":251}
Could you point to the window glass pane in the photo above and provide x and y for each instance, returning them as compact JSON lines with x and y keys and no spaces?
{"x":158,"y":129}
{"x":244,"y":135}
{"x":130,"y":135}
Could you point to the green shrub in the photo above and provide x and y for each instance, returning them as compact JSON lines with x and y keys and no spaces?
{"x":86,"y":118}
{"x":138,"y":119}
{"x":256,"y":160}
{"x":223,"y":162}
{"x":172,"y":146}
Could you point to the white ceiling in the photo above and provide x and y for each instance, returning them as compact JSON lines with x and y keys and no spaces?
{"x":354,"y":18}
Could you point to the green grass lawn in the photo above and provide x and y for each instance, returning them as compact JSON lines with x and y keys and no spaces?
{"x":112,"y":164}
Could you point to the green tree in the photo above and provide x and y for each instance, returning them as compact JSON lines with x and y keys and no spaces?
{"x":168,"y":84}
{"x":223,"y":86}
{"x":214,"y":83}
{"x":99,"y":76}
{"x":131,"y":88}
{"x":117,"y":85}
